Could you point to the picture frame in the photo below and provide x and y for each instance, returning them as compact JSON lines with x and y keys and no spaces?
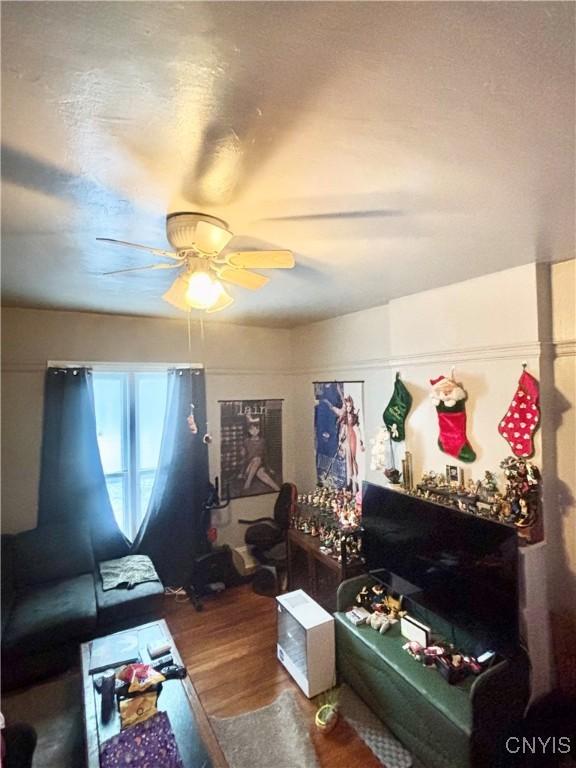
{"x":451,"y":474}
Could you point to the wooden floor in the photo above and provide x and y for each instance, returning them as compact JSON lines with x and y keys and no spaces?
{"x":229,"y":649}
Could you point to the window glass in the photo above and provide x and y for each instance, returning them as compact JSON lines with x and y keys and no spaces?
{"x":151,"y":400}
{"x":109,"y":406}
{"x":151,"y":403}
{"x":129,"y":419}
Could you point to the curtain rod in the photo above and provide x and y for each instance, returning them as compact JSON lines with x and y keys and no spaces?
{"x":120,"y":367}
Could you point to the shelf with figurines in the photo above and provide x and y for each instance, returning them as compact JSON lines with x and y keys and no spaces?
{"x":517,"y":505}
{"x":334,"y":516}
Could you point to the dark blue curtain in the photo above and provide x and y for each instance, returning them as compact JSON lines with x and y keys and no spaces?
{"x":72,"y":484}
{"x":173,"y":531}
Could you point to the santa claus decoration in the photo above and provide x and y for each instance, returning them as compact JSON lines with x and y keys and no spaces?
{"x":449,"y":398}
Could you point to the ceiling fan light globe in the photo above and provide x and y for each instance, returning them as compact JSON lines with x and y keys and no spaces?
{"x":202,"y":291}
{"x":197,"y":231}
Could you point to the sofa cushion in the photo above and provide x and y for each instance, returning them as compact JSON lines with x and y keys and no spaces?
{"x":53,"y":552}
{"x":117,"y":605}
{"x":49,"y":614}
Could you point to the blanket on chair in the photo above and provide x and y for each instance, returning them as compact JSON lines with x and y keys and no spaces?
{"x":126,"y":572}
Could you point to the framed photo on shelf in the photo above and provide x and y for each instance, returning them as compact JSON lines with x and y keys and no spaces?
{"x":451,"y":475}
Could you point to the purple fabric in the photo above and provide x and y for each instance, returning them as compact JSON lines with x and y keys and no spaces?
{"x":150,"y":744}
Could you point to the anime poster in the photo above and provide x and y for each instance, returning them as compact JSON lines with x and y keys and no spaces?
{"x":339,"y":434}
{"x":251,"y":446}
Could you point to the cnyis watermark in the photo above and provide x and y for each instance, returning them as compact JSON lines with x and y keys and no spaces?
{"x":538,"y":745}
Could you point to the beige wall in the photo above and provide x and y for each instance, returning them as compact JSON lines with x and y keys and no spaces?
{"x":240,"y":362}
{"x":475,"y":326}
{"x":486,"y":328}
{"x":561,"y":500}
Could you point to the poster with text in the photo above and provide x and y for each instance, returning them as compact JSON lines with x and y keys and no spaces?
{"x":339,"y":434}
{"x":251,"y":447}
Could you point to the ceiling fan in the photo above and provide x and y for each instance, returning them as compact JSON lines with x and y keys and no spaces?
{"x":199,"y":241}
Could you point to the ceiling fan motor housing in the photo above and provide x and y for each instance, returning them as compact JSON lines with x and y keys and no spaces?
{"x":181,"y":228}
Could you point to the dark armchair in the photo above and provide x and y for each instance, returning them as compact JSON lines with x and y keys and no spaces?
{"x":266,"y":537}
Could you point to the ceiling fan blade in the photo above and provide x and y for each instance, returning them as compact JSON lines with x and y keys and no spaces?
{"x":224,"y":301}
{"x":242,"y":277}
{"x":176,"y":294}
{"x":139,"y":269}
{"x":155,"y":251}
{"x":369,"y":214}
{"x":210,"y":238}
{"x":261,"y":259}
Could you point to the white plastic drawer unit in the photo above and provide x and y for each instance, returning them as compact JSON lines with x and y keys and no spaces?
{"x":306,"y":642}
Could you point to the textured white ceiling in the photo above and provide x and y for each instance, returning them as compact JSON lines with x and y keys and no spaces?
{"x":394,"y":147}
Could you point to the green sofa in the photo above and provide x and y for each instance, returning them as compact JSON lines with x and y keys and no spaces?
{"x":445,"y":726}
{"x":52,"y":599}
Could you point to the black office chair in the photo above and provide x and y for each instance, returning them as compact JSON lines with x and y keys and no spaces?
{"x":266,"y":537}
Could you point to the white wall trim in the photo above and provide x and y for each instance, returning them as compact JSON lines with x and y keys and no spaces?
{"x":445,"y":357}
{"x":249,"y":372}
{"x":565,"y":348}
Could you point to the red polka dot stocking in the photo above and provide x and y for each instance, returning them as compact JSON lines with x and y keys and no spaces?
{"x":520,"y":422}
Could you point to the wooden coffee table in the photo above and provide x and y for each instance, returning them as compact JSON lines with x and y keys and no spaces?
{"x":194,"y":735}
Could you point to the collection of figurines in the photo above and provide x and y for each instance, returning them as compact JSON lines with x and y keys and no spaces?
{"x":451,"y":664}
{"x":384,"y":609}
{"x":334,"y":516}
{"x":518,"y":504}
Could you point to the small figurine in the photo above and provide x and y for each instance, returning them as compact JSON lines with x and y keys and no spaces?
{"x":393,"y":475}
{"x":378,"y":592}
{"x":380,"y":622}
{"x":472,"y":488}
{"x":192,"y":426}
{"x":414,"y":649}
{"x":364,"y":599}
{"x":393,"y":606}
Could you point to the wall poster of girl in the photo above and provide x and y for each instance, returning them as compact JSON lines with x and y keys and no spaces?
{"x":251,"y":446}
{"x":339,"y":430}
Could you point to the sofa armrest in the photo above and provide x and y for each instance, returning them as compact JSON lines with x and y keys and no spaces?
{"x":499,"y":698}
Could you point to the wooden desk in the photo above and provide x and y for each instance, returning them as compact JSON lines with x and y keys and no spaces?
{"x":313,"y":571}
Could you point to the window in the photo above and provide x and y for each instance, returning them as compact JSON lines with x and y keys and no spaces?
{"x":129,"y":418}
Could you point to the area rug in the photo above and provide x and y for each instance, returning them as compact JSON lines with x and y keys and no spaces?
{"x":55,"y":710}
{"x":278,"y":735}
{"x":372,"y":731}
{"x":275,"y":736}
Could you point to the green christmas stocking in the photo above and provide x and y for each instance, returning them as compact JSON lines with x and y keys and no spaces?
{"x":397,"y":409}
